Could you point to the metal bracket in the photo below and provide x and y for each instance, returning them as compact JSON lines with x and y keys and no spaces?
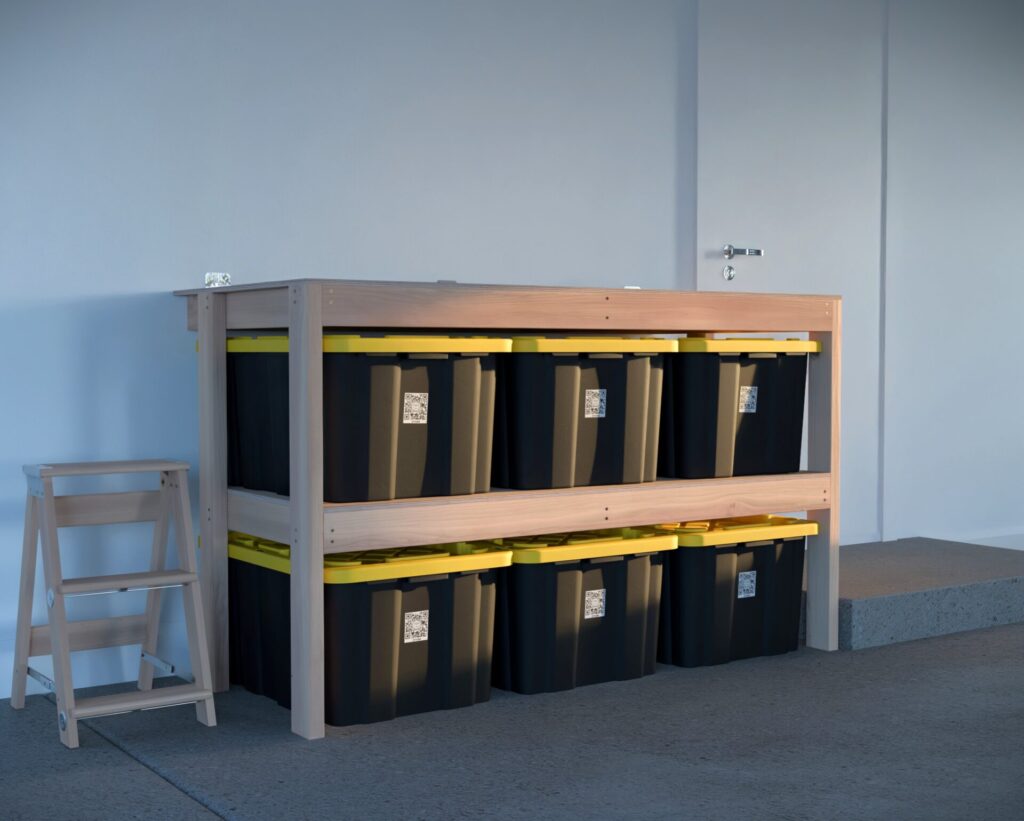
{"x":43,"y":679}
{"x":35,"y":487}
{"x":158,"y":663}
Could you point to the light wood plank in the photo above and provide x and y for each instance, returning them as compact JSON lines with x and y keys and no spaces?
{"x":23,"y":632}
{"x":266,"y":515}
{"x":393,"y":305}
{"x":92,"y":634}
{"x":102,"y":468}
{"x":305,"y":366}
{"x":107,"y":508}
{"x":823,"y":453}
{"x":191,"y":596}
{"x":157,"y":561}
{"x":361,"y":526}
{"x":213,"y":480}
{"x":140,"y":700}
{"x":115,"y":582}
{"x":58,"y":620}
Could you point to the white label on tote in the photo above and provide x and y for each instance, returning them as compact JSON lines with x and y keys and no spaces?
{"x":414,"y":408}
{"x":595,"y":401}
{"x":417,"y":623}
{"x":748,"y":399}
{"x":593,"y":604}
{"x":746,"y":586}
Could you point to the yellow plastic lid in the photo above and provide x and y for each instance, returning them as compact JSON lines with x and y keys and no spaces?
{"x":591,"y":344}
{"x":741,"y":345}
{"x":567,"y":547}
{"x":351,"y":343}
{"x":739,"y":530}
{"x":374,"y":565}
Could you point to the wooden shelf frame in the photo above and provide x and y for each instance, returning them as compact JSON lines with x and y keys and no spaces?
{"x":304,"y":308}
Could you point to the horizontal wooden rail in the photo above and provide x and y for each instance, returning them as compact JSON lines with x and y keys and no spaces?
{"x":107,"y":508}
{"x":392,"y":305}
{"x":92,"y":634}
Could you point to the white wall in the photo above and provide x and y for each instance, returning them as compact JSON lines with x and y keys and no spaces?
{"x":954,"y":276}
{"x":143,"y":143}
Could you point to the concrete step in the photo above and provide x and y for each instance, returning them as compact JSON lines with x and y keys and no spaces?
{"x":916,"y":588}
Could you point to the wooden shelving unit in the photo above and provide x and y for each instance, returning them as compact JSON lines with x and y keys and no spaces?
{"x":305,"y":308}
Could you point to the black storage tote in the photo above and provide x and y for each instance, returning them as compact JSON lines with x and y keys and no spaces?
{"x":578,"y":411}
{"x":733,"y":407}
{"x":733,"y":589}
{"x":405,"y":630}
{"x":403,"y":415}
{"x":579,"y":609}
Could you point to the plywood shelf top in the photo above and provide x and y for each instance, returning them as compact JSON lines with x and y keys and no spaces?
{"x":401,"y":305}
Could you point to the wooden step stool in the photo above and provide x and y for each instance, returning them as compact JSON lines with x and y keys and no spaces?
{"x":44,"y":513}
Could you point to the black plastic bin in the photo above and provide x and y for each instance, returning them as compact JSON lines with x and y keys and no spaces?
{"x":579,"y":609}
{"x":733,"y":590}
{"x":403,"y":415}
{"x":405,"y":631}
{"x":578,"y":411}
{"x":733,"y":407}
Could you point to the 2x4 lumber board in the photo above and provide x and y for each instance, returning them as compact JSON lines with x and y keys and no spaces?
{"x":306,"y":479}
{"x":103,"y":468}
{"x":92,"y":634}
{"x":360,"y":526}
{"x":265,"y":515}
{"x":398,"y":305}
{"x":107,"y":508}
{"x":213,"y":479}
{"x":823,"y":454}
{"x":114,"y":582}
{"x":139,"y":700}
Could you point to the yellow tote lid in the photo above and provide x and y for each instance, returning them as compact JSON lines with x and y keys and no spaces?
{"x":739,"y":530}
{"x":741,"y":345}
{"x":375,"y":565}
{"x":351,"y":343}
{"x":591,"y":344}
{"x":567,"y":547}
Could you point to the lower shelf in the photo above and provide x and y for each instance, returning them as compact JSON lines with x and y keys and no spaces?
{"x":434,"y":520}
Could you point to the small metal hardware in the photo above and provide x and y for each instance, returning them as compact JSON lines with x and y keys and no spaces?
{"x":158,"y":663}
{"x":43,"y":679}
{"x":50,"y":598}
{"x":729,"y":252}
{"x":729,"y":273}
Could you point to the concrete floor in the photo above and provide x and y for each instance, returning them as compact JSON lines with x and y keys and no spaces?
{"x":929,"y":729}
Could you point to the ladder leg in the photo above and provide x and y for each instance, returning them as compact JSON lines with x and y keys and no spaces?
{"x":23,"y":636}
{"x":158,"y":561}
{"x":60,"y":645}
{"x":192,"y":598}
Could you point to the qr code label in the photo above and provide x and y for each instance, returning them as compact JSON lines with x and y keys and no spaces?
{"x":414,"y":408}
{"x":417,"y":623}
{"x":746,"y":587}
{"x":595,"y":402}
{"x":593,"y":604}
{"x":748,"y":399}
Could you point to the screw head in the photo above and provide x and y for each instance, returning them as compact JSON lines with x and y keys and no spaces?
{"x":49,"y":597}
{"x":62,"y":720}
{"x":728,"y":273}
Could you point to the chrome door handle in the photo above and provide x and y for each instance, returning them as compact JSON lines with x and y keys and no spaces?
{"x":729,"y":252}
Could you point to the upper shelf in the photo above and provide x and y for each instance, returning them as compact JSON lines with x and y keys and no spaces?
{"x":397,"y":305}
{"x":441,"y":519}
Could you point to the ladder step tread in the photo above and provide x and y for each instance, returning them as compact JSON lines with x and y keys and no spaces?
{"x":139,"y":700}
{"x":126,"y":581}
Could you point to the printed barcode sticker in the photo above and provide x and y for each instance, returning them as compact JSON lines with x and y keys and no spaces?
{"x":593,"y":604}
{"x":414,"y":408}
{"x":748,"y":399}
{"x":746,"y":587}
{"x":595,"y":401}
{"x":417,"y":624}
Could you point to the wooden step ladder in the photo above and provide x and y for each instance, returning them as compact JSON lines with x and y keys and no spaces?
{"x":44,"y":514}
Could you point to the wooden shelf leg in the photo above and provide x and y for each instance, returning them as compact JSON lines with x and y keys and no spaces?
{"x":23,"y":634}
{"x":823,"y":455}
{"x":213,"y":479}
{"x":305,"y":389}
{"x":158,"y":561}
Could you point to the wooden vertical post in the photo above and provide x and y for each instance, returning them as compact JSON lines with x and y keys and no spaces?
{"x":157,"y":561}
{"x":305,"y":409}
{"x":823,"y":451}
{"x":23,"y":634}
{"x":213,"y":478}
